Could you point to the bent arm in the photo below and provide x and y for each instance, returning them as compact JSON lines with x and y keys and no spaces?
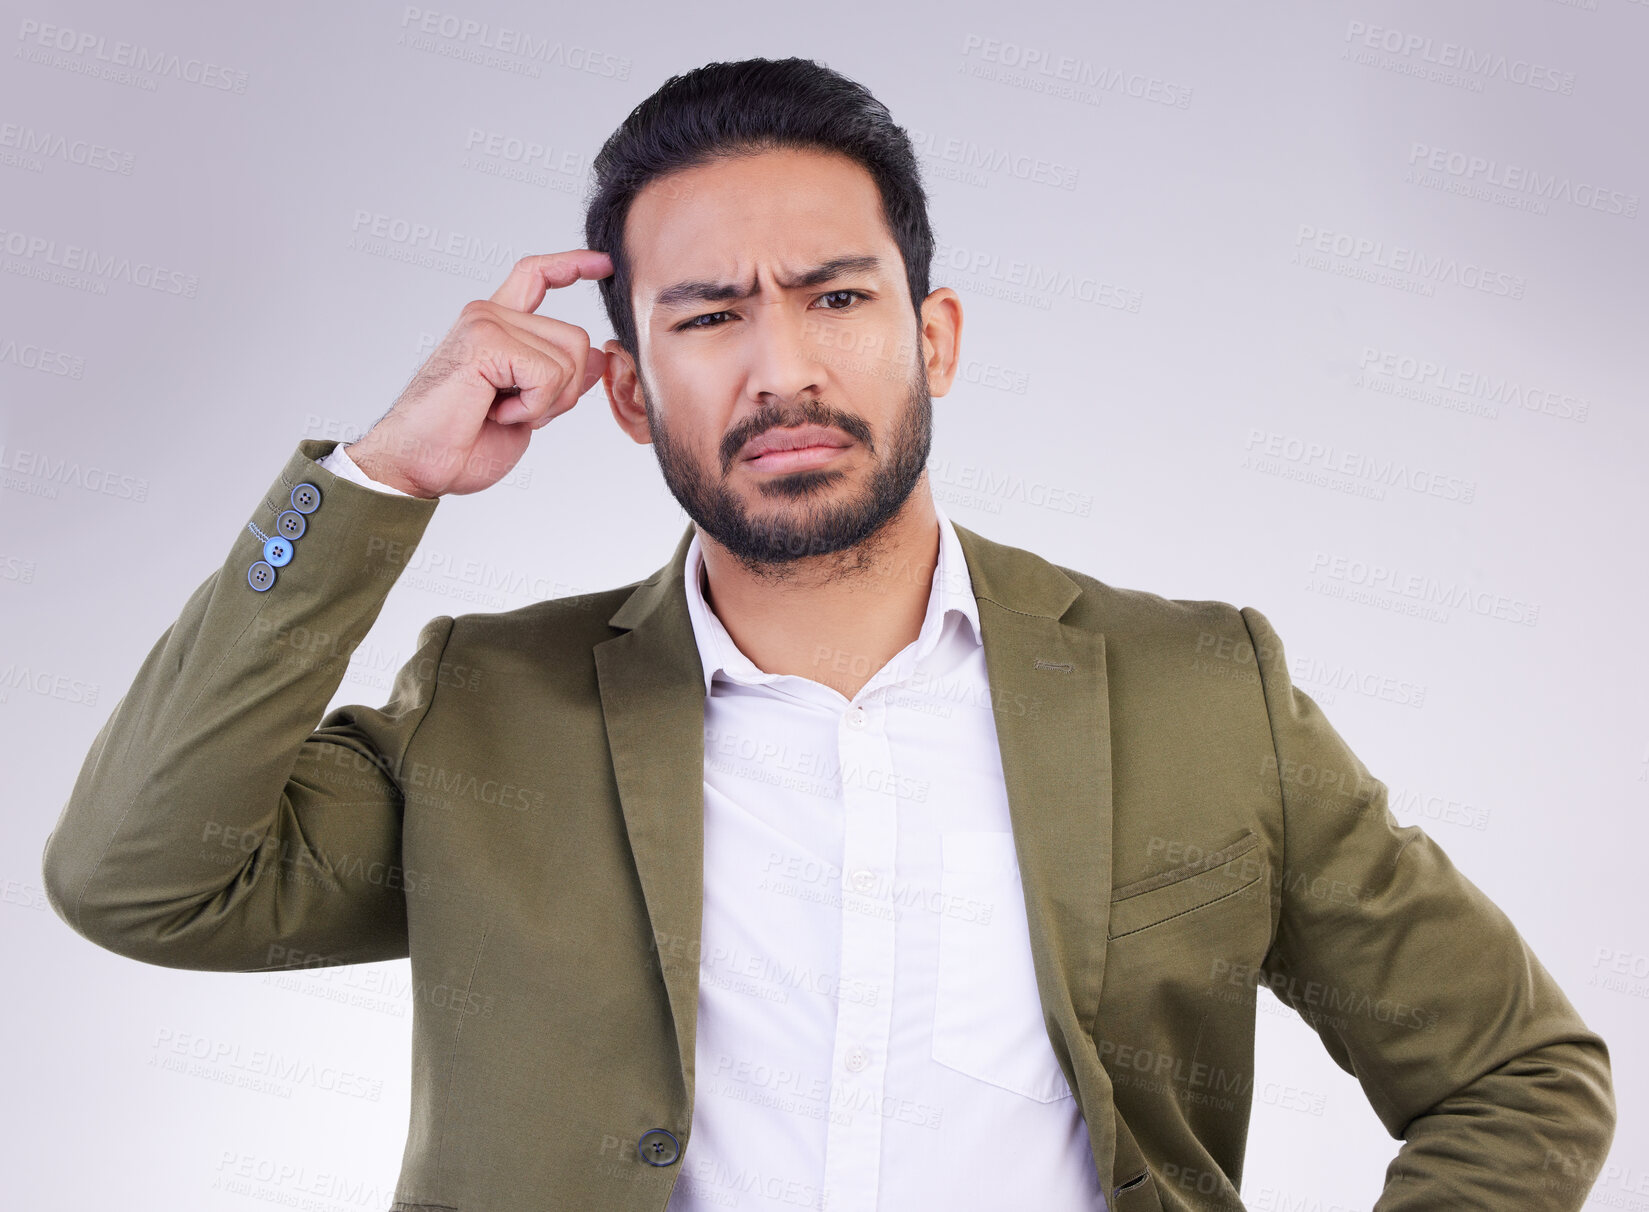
{"x":219,"y":821}
{"x":1420,"y":986}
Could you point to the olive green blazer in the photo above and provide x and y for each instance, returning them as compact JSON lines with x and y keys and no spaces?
{"x":523,"y":819}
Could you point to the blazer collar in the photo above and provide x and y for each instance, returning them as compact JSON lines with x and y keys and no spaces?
{"x":951,"y":592}
{"x":1051,"y":697}
{"x":1012,"y":577}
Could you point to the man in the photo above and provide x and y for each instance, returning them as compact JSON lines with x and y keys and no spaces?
{"x":851,"y":860}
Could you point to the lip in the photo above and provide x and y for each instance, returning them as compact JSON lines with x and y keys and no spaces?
{"x":802,"y":446}
{"x":794,"y":458}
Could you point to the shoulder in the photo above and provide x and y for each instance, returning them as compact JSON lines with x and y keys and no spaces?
{"x":555,"y":632}
{"x":1124,"y":610}
{"x":1021,"y":579}
{"x":1173,"y":649}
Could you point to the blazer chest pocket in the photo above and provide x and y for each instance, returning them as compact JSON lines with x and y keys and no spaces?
{"x":1170,"y":894}
{"x":987,"y":1012}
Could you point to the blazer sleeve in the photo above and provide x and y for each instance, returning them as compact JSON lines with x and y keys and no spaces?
{"x":1420,"y":987}
{"x":219,"y":822}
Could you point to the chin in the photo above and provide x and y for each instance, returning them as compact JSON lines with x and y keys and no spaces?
{"x":807,"y":481}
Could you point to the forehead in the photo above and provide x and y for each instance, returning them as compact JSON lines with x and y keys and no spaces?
{"x":785,"y":211}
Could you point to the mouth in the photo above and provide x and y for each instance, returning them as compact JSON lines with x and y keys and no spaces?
{"x":792,"y":449}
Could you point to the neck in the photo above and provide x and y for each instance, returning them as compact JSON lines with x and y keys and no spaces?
{"x":835,"y":618}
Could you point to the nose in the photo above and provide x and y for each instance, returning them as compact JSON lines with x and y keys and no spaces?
{"x":782,"y":363}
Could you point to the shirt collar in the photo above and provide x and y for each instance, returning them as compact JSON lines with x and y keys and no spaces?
{"x":951,"y":593}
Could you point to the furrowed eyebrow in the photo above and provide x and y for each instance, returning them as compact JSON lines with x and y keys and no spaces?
{"x":686,"y":294}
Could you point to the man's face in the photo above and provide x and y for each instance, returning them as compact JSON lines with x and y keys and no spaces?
{"x":745,"y":330}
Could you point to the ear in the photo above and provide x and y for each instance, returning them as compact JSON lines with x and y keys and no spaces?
{"x":941,"y":338}
{"x":624,"y":393}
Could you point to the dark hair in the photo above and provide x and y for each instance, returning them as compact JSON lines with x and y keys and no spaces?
{"x":752,"y":105}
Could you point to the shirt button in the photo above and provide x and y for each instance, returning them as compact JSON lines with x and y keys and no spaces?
{"x":864,"y":879}
{"x":260,"y":576}
{"x":856,"y":1059}
{"x":658,"y":1147}
{"x":856,"y":718}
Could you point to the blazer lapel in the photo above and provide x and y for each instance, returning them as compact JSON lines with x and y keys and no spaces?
{"x":652,"y":695}
{"x":1053,"y":727}
{"x":1048,"y":682}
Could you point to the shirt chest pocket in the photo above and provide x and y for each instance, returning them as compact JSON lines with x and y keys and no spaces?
{"x":987,"y":1014}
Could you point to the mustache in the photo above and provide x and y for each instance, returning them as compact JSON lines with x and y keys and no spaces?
{"x":809,"y":412}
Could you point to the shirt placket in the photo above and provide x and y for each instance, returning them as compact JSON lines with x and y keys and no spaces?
{"x":859,"y":1057}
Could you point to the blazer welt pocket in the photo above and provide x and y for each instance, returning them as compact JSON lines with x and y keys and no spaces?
{"x":1169,"y":894}
{"x":1137,"y":1194}
{"x":403,"y":1206}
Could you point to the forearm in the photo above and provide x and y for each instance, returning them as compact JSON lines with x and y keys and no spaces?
{"x":183,"y":821}
{"x":1530,"y":1135}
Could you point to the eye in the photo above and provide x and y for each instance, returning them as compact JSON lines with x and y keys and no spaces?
{"x":694,"y":322}
{"x":850,"y":294}
{"x":712,"y":319}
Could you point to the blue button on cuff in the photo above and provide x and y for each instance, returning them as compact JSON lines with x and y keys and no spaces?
{"x":279,"y":548}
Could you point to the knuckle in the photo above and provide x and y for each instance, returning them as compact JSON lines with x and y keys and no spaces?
{"x":558,"y":367}
{"x":481,"y":332}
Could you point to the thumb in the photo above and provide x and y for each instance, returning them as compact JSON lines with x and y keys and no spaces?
{"x":594,"y":367}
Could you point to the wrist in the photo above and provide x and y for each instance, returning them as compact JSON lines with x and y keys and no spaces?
{"x":384,"y":471}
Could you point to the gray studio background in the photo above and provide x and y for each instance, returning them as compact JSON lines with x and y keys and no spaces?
{"x":1263,"y":303}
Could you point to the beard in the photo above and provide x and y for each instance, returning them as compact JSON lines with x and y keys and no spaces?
{"x":806,"y":524}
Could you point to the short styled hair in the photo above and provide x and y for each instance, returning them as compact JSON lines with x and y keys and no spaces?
{"x":723,"y":110}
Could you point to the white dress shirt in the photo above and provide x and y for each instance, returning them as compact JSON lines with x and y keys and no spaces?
{"x":870,"y":1035}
